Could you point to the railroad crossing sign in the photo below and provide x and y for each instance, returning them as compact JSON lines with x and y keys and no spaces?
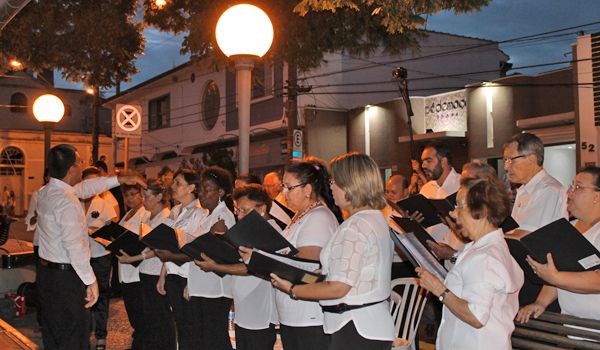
{"x":128,"y":121}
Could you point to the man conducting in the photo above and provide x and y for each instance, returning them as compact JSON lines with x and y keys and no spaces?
{"x":66,"y":283}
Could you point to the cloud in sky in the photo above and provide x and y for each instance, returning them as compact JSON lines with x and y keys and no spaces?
{"x":501,"y":20}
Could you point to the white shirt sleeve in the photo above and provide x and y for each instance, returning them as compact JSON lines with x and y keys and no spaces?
{"x":74,"y":239}
{"x":88,"y":188}
{"x":31,"y":211}
{"x":348,"y":256}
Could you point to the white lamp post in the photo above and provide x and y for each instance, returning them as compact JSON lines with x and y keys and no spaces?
{"x":48,"y":110}
{"x":244,"y":32}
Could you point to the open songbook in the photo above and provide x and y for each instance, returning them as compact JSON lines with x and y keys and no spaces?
{"x":571,"y":251}
{"x":130,"y":243}
{"x":295,"y":270}
{"x":109,"y":232}
{"x":214,"y":246}
{"x":433,"y":210}
{"x":417,"y":253}
{"x":253,"y":231}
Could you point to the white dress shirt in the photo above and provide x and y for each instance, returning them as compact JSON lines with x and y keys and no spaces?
{"x":582,"y":305}
{"x":488,"y":278}
{"x":98,"y":213}
{"x":61,"y":225}
{"x":31,"y":212}
{"x":360,"y":255}
{"x":254,"y":300}
{"x":315,"y":228}
{"x":185,"y":220}
{"x":209,"y":284}
{"x":539,"y":202}
{"x":127,"y":272}
{"x":153,"y":265}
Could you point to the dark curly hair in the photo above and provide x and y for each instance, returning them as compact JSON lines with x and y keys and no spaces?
{"x":487,"y":197}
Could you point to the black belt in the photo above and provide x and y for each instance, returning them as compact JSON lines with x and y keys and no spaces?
{"x":341,"y":308}
{"x":56,"y":266}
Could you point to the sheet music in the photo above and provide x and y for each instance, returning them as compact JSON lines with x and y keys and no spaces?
{"x":303,"y":265}
{"x":419,"y":253}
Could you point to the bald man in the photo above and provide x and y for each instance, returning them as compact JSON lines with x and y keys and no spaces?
{"x":396,"y":188}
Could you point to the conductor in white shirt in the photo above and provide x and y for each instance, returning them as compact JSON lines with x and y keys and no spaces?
{"x":540,"y":199}
{"x":66,"y":283}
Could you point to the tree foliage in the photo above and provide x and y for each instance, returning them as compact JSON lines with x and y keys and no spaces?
{"x":91,"y":41}
{"x":306,"y":29}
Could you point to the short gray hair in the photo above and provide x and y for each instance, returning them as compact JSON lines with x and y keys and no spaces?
{"x":527,"y":144}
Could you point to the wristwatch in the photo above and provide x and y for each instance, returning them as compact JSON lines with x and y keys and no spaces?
{"x":443,"y":295}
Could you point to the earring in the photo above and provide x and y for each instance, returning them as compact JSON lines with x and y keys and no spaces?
{"x":220,"y":200}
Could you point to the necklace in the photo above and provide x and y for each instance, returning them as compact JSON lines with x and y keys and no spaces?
{"x":299,"y":216}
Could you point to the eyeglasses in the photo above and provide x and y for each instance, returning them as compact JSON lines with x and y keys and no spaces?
{"x":288,"y":188}
{"x":512,"y":159}
{"x":577,"y":187}
{"x":243,"y":211}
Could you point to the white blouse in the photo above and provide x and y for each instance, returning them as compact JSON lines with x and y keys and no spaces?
{"x":209,"y":284}
{"x":254,"y":300}
{"x":488,"y":278}
{"x":127,"y":272}
{"x":582,"y":305}
{"x":185,"y":220}
{"x":360,"y":255}
{"x":98,"y":213}
{"x":315,"y":228}
{"x":153,"y":265}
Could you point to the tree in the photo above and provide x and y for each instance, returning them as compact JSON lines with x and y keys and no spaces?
{"x":92,"y":42}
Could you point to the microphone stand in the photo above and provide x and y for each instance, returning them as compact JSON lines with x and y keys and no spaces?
{"x":400,"y":75}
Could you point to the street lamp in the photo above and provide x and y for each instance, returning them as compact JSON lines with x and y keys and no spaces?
{"x":244,"y":32}
{"x":48,"y":110}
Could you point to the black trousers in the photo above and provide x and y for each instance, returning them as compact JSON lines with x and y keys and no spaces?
{"x":182,"y":312}
{"x":65,"y":320}
{"x":255,"y":339}
{"x":348,"y":338}
{"x":159,"y":326}
{"x":132,"y":298}
{"x":302,"y":338}
{"x":101,"y":266}
{"x":211,"y":322}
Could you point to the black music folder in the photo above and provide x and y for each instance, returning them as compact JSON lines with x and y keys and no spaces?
{"x":130,"y":243}
{"x":410,"y":225}
{"x":109,"y":232}
{"x":162,"y":237}
{"x":215,"y":247}
{"x":418,"y":253}
{"x":570,"y":250}
{"x":424,"y":206}
{"x":295,"y":270}
{"x":509,"y":224}
{"x":253,"y":231}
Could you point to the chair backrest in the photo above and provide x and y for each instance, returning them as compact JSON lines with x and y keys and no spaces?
{"x":407,"y":303}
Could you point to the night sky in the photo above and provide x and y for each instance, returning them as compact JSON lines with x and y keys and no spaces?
{"x":501,"y":20}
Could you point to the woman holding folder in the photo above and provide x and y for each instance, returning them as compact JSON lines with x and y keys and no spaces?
{"x":210,"y":294}
{"x":185,"y":219}
{"x":357,"y":261}
{"x":128,"y":274}
{"x":159,"y":327}
{"x":254,"y":298}
{"x":578,"y":293}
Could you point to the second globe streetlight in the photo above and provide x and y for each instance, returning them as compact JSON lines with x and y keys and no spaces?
{"x":244,"y":32}
{"x":48,"y":110}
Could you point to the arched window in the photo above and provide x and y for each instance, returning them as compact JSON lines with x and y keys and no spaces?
{"x":12,"y":161}
{"x":211,"y":104}
{"x":18,"y":103}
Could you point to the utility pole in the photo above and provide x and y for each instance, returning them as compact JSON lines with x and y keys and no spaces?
{"x":95,"y":123}
{"x":293,"y":90}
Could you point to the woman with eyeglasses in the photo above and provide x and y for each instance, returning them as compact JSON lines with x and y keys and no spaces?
{"x":357,"y":261}
{"x":210,"y":294}
{"x":481,"y":292}
{"x":253,"y":297}
{"x":185,"y":218}
{"x":578,"y":293}
{"x":306,"y":190}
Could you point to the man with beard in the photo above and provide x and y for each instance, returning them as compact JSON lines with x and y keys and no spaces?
{"x":540,"y":199}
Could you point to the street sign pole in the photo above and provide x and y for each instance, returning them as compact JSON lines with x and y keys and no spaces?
{"x":128,"y":125}
{"x":126,"y":156}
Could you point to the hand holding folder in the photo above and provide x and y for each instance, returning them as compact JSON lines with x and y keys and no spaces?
{"x":253,"y":231}
{"x":128,"y":242}
{"x":109,"y":232}
{"x":295,"y":270}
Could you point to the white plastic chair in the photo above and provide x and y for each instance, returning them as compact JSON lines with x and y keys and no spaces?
{"x":407,"y":302}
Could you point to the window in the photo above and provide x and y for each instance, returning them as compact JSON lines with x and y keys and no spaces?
{"x":211,"y":104}
{"x":159,"y":113}
{"x":262,"y":77}
{"x":18,"y":103}
{"x":12,"y":161}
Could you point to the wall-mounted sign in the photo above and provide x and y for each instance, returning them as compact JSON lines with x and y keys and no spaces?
{"x":446,"y":112}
